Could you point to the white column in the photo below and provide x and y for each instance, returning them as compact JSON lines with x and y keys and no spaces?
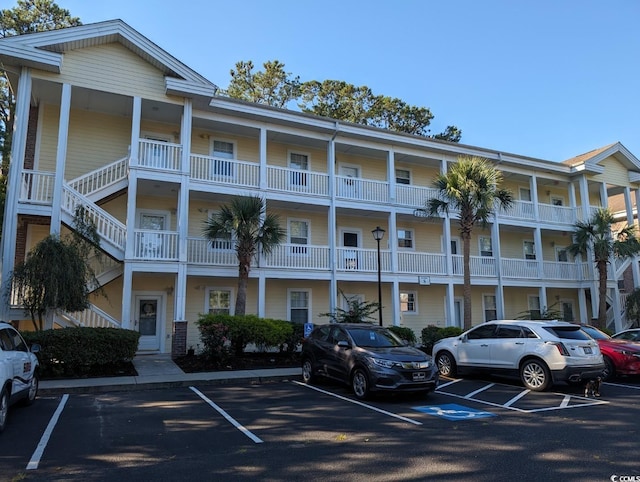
{"x":395,"y":302}
{"x":263,"y":159}
{"x":584,"y":197}
{"x":544,"y":304}
{"x":14,"y":181}
{"x":582,"y":303}
{"x":391,"y":174}
{"x":604,"y":197}
{"x":262,"y":295}
{"x":450,"y":308}
{"x":533,"y":188}
{"x":127,"y":298}
{"x":537,"y":242}
{"x":331,"y":226}
{"x":134,"y":151}
{"x":393,"y":242}
{"x":61,"y":157}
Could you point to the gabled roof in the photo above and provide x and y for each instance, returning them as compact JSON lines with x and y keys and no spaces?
{"x":43,"y":50}
{"x":589,"y":161}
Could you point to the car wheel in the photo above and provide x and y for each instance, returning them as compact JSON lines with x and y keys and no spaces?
{"x":535,"y":375}
{"x":446,"y":364}
{"x":307,"y":371}
{"x":609,"y":371}
{"x":33,"y":390}
{"x":4,"y":408}
{"x":360,"y":384}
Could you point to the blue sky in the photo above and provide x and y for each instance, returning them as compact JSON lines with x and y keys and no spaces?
{"x":547,"y":78}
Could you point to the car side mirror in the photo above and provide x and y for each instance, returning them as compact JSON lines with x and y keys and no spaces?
{"x":464,"y":339}
{"x":344,"y":344}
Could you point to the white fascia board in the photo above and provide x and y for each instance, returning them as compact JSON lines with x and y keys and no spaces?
{"x":187,"y":88}
{"x":634,"y":176}
{"x":31,"y":57}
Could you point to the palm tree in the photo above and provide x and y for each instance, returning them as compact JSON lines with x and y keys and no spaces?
{"x":471,"y":187}
{"x":245,"y":221}
{"x":596,"y":235}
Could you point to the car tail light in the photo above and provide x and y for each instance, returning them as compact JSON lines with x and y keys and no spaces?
{"x":562,"y":349}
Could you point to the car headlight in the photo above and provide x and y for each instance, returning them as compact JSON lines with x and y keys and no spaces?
{"x":629,"y":353}
{"x":381,"y":362}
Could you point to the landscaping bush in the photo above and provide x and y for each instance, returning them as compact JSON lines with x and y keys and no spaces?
{"x":404,"y":333}
{"x":264,"y":333}
{"x":214,"y":338}
{"x":432,"y":333}
{"x":294,"y":340}
{"x":77,"y":352}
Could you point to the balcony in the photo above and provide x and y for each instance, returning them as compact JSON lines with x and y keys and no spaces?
{"x":152,"y":245}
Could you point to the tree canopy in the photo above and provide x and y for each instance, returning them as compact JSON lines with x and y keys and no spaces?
{"x":337,"y":99}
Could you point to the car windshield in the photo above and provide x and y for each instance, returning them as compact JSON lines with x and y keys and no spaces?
{"x":567,"y":332}
{"x":595,"y":333}
{"x":374,"y":338}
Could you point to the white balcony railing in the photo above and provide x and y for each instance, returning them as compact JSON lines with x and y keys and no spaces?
{"x":422,"y":263}
{"x":362,"y":260}
{"x":160,"y":155}
{"x":298,"y":256}
{"x":478,"y":265}
{"x":557,"y":270}
{"x":295,"y":180}
{"x":225,"y":171}
{"x":414,"y":196}
{"x":556,"y":214}
{"x":151,"y":244}
{"x":200,"y":252}
{"x":358,"y":189}
{"x":520,"y":268}
{"x":519,"y":210}
{"x":37,"y":187}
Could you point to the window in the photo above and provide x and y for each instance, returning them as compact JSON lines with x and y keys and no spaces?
{"x":534,"y":307}
{"x":403,"y":176}
{"x":219,"y":301}
{"x":482,"y":332}
{"x":509,"y":332}
{"x":350,"y":299}
{"x":299,"y":162}
{"x":490,"y":311}
{"x":486,"y":248}
{"x":299,"y":235}
{"x":223,"y":242}
{"x":408,"y":302}
{"x":223,"y":150}
{"x":557,"y":201}
{"x":562,"y":255}
{"x":405,"y":238}
{"x":525,"y":194}
{"x":299,"y":306}
{"x":529,"y":250}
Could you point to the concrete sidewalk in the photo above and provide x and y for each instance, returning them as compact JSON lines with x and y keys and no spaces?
{"x":159,"y":371}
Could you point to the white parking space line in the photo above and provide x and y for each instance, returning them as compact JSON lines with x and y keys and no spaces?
{"x":37,"y":455}
{"x":370,"y":407}
{"x":443,"y":385}
{"x":231,"y":420}
{"x":479,"y":390}
{"x":516,"y":398}
{"x":634,"y":387}
{"x":498,"y":405}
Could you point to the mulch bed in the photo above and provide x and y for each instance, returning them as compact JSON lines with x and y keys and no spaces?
{"x":248,"y":361}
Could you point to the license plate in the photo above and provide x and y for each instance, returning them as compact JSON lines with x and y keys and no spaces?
{"x":418,"y":376}
{"x":587,"y":350}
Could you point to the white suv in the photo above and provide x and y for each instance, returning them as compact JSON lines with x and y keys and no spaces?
{"x":18,"y":371}
{"x":540,"y":353}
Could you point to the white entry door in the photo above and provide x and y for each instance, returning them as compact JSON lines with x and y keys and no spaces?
{"x":149,"y":321}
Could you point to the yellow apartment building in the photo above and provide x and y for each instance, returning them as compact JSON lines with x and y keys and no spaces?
{"x":107,"y":120}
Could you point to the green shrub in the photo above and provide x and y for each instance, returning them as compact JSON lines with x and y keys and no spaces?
{"x":75,"y":352}
{"x":294,"y":340}
{"x":431,"y":334}
{"x":264,"y":333}
{"x":404,"y":333}
{"x":214,"y":338}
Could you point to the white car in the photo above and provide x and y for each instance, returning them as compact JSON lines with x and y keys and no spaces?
{"x":18,"y":371}
{"x":540,"y":353}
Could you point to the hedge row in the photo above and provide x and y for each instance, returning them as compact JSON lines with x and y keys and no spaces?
{"x":219,"y":332}
{"x":75,"y":352}
{"x":432,"y":333}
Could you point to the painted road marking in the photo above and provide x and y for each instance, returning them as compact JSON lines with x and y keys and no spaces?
{"x":233,"y":421}
{"x":454,"y":412}
{"x":370,"y":407}
{"x":37,"y":455}
{"x":568,"y":401}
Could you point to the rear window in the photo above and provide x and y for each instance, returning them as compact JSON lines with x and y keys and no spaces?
{"x":567,"y":332}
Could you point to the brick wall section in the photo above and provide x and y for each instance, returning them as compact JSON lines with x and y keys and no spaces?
{"x":30,"y":152}
{"x":179,"y":341}
{"x":21,"y":234}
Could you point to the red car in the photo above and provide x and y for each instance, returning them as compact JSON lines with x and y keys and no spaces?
{"x":621,"y":357}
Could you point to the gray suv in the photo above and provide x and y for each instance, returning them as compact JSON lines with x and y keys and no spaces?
{"x":367,"y":357}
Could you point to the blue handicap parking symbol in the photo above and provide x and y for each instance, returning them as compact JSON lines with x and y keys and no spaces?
{"x":451,"y":411}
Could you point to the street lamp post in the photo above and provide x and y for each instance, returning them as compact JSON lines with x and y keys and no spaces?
{"x":378,"y":234}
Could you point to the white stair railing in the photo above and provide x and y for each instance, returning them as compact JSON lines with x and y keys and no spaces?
{"x":107,"y":226}
{"x":92,"y":317}
{"x":102,"y":177}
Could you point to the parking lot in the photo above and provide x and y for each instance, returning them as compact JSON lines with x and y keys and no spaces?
{"x":480,"y":429}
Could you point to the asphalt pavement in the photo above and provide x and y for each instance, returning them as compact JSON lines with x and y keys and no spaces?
{"x":159,"y":371}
